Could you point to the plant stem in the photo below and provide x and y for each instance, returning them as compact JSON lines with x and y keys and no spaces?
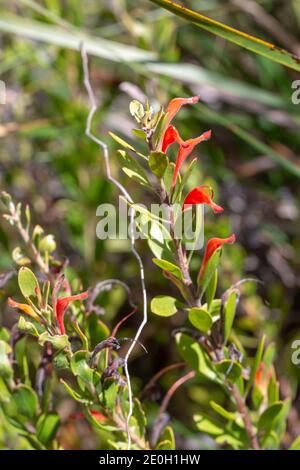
{"x":28,"y":242}
{"x":245,"y":416}
{"x":122,"y":424}
{"x":173,"y":389}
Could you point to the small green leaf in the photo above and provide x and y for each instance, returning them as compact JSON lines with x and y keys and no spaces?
{"x":133,"y":169}
{"x":158,"y":163}
{"x":207,"y":425}
{"x":210,"y":268}
{"x":47,"y":427}
{"x":140,"y":417}
{"x":164,"y":305}
{"x":77,"y":396}
{"x":232,"y":370}
{"x":122,"y":142}
{"x":4,"y":392}
{"x":211,"y":289}
{"x":5,"y":366}
{"x":19,"y":257}
{"x":61,"y":360}
{"x":110,"y":395}
{"x":80,"y":367}
{"x":266,"y":420}
{"x":256,"y":363}
{"x":257,"y":397}
{"x":23,"y":402}
{"x":28,"y":283}
{"x":273,"y":390}
{"x":27,"y":326}
{"x":136,"y":110}
{"x":140,"y":134}
{"x":201,"y":319}
{"x":166,"y":440}
{"x":58,"y":341}
{"x":190,"y":350}
{"x":185,"y":178}
{"x":221,"y":411}
{"x":229,"y":313}
{"x":168,"y":178}
{"x":169,"y":267}
{"x":162,"y":122}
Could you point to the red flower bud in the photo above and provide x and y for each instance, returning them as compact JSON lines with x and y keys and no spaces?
{"x":200,"y":195}
{"x":176,"y":103}
{"x":61,"y":306}
{"x":212,"y":245}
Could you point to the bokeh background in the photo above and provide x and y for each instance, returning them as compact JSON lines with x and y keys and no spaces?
{"x":252,"y":160}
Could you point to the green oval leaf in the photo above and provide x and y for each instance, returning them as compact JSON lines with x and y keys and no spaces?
{"x":58,"y":341}
{"x":232,"y":370}
{"x":133,"y":169}
{"x":158,"y":163}
{"x":80,"y":367}
{"x":47,"y":427}
{"x":190,"y":350}
{"x":23,"y":402}
{"x":200,"y":319}
{"x":229,"y":313}
{"x":164,"y":305}
{"x":169,"y":267}
{"x":5,"y":366}
{"x":209,"y":271}
{"x":28,"y":283}
{"x":266,"y":420}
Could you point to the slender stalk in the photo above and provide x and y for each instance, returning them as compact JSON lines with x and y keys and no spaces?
{"x":173,"y":389}
{"x":245,"y":416}
{"x":30,"y":245}
{"x":159,"y":374}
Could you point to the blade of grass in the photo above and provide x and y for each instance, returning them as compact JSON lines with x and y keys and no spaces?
{"x":56,"y":35}
{"x":254,"y":44}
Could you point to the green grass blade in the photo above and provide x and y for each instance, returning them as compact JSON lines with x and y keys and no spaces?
{"x":71,"y":39}
{"x":256,"y":45}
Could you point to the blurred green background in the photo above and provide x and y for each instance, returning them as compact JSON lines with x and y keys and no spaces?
{"x":252,"y":160}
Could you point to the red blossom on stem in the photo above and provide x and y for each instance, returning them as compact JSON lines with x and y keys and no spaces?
{"x":170,"y":136}
{"x":176,"y":103}
{"x":212,"y":246}
{"x":186,"y":148}
{"x":199,"y":195}
{"x":61,"y":306}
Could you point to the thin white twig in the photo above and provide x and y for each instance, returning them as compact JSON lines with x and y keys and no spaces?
{"x":103,"y":146}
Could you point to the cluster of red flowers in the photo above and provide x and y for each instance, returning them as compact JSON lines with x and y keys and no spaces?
{"x":200,"y":194}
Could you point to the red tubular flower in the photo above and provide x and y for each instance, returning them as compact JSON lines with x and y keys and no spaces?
{"x":186,"y":148}
{"x":170,"y":136}
{"x":176,"y":103}
{"x":212,"y":245}
{"x":61,"y":306}
{"x":200,"y":195}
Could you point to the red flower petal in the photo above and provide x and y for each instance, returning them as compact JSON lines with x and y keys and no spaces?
{"x":62,"y":305}
{"x":185,"y":150}
{"x":176,"y":103}
{"x":200,"y":195}
{"x":173,"y":108}
{"x":170,"y":136}
{"x":212,"y":245}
